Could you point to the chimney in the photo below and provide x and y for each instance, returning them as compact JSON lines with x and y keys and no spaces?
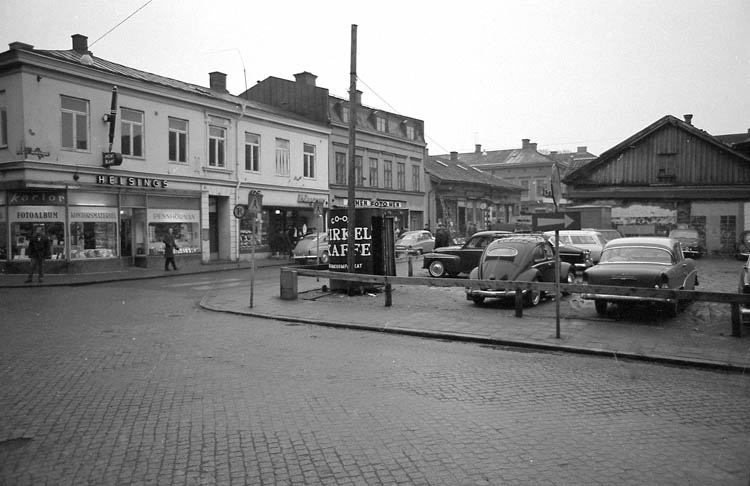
{"x":308,"y":79}
{"x":525,"y":143}
{"x":19,"y":46}
{"x":582,"y":150}
{"x":358,"y":97}
{"x":532,"y":146}
{"x":218,"y":82}
{"x":454,"y":155}
{"x":689,"y":118}
{"x":80,"y":43}
{"x":478,"y":148}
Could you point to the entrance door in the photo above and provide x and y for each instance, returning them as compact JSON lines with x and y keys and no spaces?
{"x":213,"y":227}
{"x":133,"y":235}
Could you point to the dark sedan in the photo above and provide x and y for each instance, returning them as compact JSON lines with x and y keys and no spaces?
{"x":642,"y":262}
{"x":524,"y":258}
{"x":452,"y":260}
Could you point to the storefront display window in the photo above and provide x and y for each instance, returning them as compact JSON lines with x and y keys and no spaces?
{"x":23,"y":220}
{"x":246,"y":234}
{"x":185,"y":226}
{"x":3,"y":234}
{"x":93,"y":232}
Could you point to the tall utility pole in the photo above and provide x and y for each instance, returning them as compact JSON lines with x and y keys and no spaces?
{"x":351,"y":213}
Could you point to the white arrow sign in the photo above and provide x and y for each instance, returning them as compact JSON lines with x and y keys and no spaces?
{"x":565,"y":221}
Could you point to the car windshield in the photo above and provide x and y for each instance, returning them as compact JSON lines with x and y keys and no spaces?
{"x":410,"y":237}
{"x":636,"y":254}
{"x":583,"y":240}
{"x":478,"y":241}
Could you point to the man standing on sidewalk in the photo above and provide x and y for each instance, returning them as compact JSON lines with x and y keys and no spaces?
{"x":39,"y":250}
{"x":169,"y":247}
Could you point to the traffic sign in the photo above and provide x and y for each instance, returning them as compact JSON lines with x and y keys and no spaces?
{"x":239,"y":211}
{"x":556,"y":185}
{"x":556,"y":221}
{"x":254,"y":201}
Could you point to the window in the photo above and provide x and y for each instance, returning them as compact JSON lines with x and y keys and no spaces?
{"x":131,"y":129}
{"x":282,"y":157}
{"x":75,"y":123}
{"x":178,"y":140}
{"x":252,"y":152}
{"x":415,"y":177}
{"x":345,"y":114}
{"x":3,"y":121}
{"x":525,"y":185}
{"x":541,"y":187}
{"x":410,"y":133}
{"x":217,"y":144}
{"x":309,"y":161}
{"x":401,"y":176}
{"x":373,"y":172}
{"x":341,"y":168}
{"x":380,"y":124}
{"x":388,"y":174}
{"x":359,"y":177}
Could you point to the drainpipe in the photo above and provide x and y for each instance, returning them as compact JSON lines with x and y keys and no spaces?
{"x":239,"y":181}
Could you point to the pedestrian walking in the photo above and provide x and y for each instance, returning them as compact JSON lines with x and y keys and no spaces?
{"x":169,"y":247}
{"x":39,"y":250}
{"x":442,"y":236}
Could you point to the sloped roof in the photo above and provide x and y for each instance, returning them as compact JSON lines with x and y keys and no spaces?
{"x":503,"y":158}
{"x":445,"y":169}
{"x":98,"y":64}
{"x":634,"y":139}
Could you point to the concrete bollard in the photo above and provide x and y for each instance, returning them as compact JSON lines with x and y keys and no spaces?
{"x":288,"y":283}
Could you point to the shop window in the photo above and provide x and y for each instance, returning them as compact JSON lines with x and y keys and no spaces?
{"x":75,"y":123}
{"x":22,"y":232}
{"x":178,"y":130}
{"x":185,"y":235}
{"x":131,"y":132}
{"x":3,"y":238}
{"x":309,"y":161}
{"x":217,"y":138}
{"x":89,"y":239}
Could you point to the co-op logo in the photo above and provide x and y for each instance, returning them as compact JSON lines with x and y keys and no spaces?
{"x":342,"y":219}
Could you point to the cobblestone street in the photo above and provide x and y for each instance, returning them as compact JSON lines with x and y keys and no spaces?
{"x":131,"y":383}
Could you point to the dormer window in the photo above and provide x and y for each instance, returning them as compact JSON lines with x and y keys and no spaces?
{"x":345,"y":114}
{"x":381,"y":124}
{"x":411,"y":134}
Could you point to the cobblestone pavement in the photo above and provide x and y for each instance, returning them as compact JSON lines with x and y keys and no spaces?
{"x":132,"y":383}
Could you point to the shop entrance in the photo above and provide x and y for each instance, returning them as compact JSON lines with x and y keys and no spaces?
{"x":213,"y":227}
{"x":133,"y":235}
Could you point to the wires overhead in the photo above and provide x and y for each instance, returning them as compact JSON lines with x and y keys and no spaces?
{"x":122,"y":22}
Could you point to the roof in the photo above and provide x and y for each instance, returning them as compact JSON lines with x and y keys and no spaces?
{"x":73,"y":57}
{"x":634,"y":139}
{"x":445,"y":169}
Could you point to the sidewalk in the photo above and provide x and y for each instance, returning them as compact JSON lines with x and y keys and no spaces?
{"x":696,"y":338}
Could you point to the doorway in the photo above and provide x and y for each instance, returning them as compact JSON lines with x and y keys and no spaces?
{"x":133,"y":235}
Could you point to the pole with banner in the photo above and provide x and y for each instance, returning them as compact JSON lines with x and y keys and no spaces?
{"x":254,"y":203}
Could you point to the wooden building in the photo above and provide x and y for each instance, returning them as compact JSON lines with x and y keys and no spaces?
{"x":667,"y":174}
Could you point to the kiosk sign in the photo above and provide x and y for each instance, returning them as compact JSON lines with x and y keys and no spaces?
{"x":338,"y":242}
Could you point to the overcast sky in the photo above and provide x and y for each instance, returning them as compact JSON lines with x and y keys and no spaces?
{"x":561,"y":73}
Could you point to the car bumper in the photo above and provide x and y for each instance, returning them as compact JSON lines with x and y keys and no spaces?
{"x":490,"y":294}
{"x":627,"y":298}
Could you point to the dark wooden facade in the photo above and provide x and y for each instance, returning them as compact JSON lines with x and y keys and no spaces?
{"x":668,"y":174}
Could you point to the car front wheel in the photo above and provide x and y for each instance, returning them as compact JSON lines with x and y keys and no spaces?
{"x":324,"y":258}
{"x":478,"y":299}
{"x":436,"y":269}
{"x":533,"y":297}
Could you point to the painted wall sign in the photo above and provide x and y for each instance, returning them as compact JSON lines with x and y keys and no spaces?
{"x":54,"y":198}
{"x":91,"y":213}
{"x":132,"y":181}
{"x":37,"y":213}
{"x":173,"y":216}
{"x":373,"y":203}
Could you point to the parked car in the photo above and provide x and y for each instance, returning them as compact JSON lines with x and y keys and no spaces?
{"x":590,"y":240}
{"x":417,"y":242}
{"x":578,"y":258}
{"x":607,"y":234}
{"x":310,"y":247}
{"x":744,"y":288}
{"x":743,"y":246}
{"x":453,"y":260}
{"x":644,"y":262}
{"x":690,"y":241}
{"x":525,"y":258}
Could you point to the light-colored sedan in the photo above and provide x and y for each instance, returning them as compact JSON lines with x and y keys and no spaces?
{"x":587,"y":239}
{"x":415,"y":242}
{"x":311,"y":247}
